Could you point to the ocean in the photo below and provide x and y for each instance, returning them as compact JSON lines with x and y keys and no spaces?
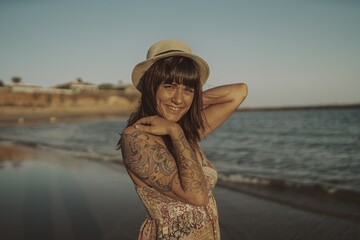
{"x":281,"y":155}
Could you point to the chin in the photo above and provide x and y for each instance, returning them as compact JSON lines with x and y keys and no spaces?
{"x":172,"y":119}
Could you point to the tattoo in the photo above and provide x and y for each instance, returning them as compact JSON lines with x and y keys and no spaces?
{"x":190,"y":172}
{"x":152,"y":163}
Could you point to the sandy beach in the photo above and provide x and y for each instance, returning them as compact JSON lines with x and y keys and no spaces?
{"x":21,"y":104}
{"x":47,"y":194}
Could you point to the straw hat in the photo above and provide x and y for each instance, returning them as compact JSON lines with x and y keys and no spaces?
{"x":168,"y":48}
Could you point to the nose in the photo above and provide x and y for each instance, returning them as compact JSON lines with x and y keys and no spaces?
{"x":177,"y":98}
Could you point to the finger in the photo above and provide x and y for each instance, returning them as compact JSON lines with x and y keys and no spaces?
{"x":144,"y":120}
{"x":147,"y":120}
{"x":144,"y":128}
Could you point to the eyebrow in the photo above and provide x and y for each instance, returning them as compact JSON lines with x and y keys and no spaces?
{"x":176,"y":84}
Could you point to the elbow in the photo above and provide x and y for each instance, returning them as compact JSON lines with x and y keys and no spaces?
{"x":242,"y":89}
{"x":200,"y":200}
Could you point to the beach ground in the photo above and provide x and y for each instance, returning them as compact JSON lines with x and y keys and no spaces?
{"x":47,"y":194}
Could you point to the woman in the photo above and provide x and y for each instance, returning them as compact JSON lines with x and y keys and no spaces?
{"x":160,"y":146}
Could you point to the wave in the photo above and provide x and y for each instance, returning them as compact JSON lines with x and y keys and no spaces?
{"x":314,"y":197}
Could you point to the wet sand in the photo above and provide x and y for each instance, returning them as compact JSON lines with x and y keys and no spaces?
{"x":52,"y":195}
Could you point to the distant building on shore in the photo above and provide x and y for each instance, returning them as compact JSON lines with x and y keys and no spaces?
{"x":73,"y":93}
{"x":78,"y":85}
{"x":17,"y":86}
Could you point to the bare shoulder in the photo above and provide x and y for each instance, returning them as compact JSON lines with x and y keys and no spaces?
{"x":147,"y":160}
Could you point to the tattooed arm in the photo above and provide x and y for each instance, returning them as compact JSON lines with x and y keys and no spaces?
{"x":149,"y":162}
{"x":192,"y":179}
{"x":146,"y":160}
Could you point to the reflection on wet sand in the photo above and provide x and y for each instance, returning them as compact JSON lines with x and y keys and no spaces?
{"x":46,"y":195}
{"x":15,"y":154}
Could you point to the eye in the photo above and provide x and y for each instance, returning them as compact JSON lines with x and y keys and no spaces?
{"x":189,"y":90}
{"x":169,"y":86}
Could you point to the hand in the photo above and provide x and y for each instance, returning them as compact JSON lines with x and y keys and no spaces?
{"x":156,"y":125}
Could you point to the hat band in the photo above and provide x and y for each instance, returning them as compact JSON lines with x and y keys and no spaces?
{"x":168,"y":52}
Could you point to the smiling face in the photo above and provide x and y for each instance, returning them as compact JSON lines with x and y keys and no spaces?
{"x":173,"y":100}
{"x":171,"y":88}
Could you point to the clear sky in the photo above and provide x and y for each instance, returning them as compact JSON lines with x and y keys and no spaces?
{"x":288,"y":52}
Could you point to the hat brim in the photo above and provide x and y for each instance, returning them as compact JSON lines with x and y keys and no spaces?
{"x":142,"y":67}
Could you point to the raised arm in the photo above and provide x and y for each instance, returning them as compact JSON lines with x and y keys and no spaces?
{"x":220,"y":102}
{"x":178,"y":176}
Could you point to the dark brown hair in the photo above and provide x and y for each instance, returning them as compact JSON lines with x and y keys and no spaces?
{"x":176,"y":69}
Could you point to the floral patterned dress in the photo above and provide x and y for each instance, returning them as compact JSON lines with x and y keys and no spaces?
{"x":170,"y":219}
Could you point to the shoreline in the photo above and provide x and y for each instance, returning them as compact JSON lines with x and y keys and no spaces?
{"x":314,"y":203}
{"x":54,"y":116}
{"x":305,"y":107}
{"x":12,"y":116}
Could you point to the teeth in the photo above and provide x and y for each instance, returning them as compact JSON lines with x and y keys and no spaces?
{"x":174,"y":108}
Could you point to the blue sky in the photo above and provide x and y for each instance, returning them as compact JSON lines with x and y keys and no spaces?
{"x":288,"y":52}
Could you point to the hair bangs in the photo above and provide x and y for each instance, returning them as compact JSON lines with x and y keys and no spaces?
{"x":182,"y":70}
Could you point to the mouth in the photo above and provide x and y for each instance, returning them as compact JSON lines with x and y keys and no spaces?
{"x":174,"y":109}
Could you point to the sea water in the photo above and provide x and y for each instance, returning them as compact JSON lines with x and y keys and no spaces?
{"x":303,"y":146}
{"x":304,"y":150}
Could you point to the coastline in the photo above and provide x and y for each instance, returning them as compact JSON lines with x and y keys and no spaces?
{"x":304,"y":107}
{"x":17,"y":115}
{"x":13,"y":116}
{"x":55,"y":195}
{"x":22,"y":104}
